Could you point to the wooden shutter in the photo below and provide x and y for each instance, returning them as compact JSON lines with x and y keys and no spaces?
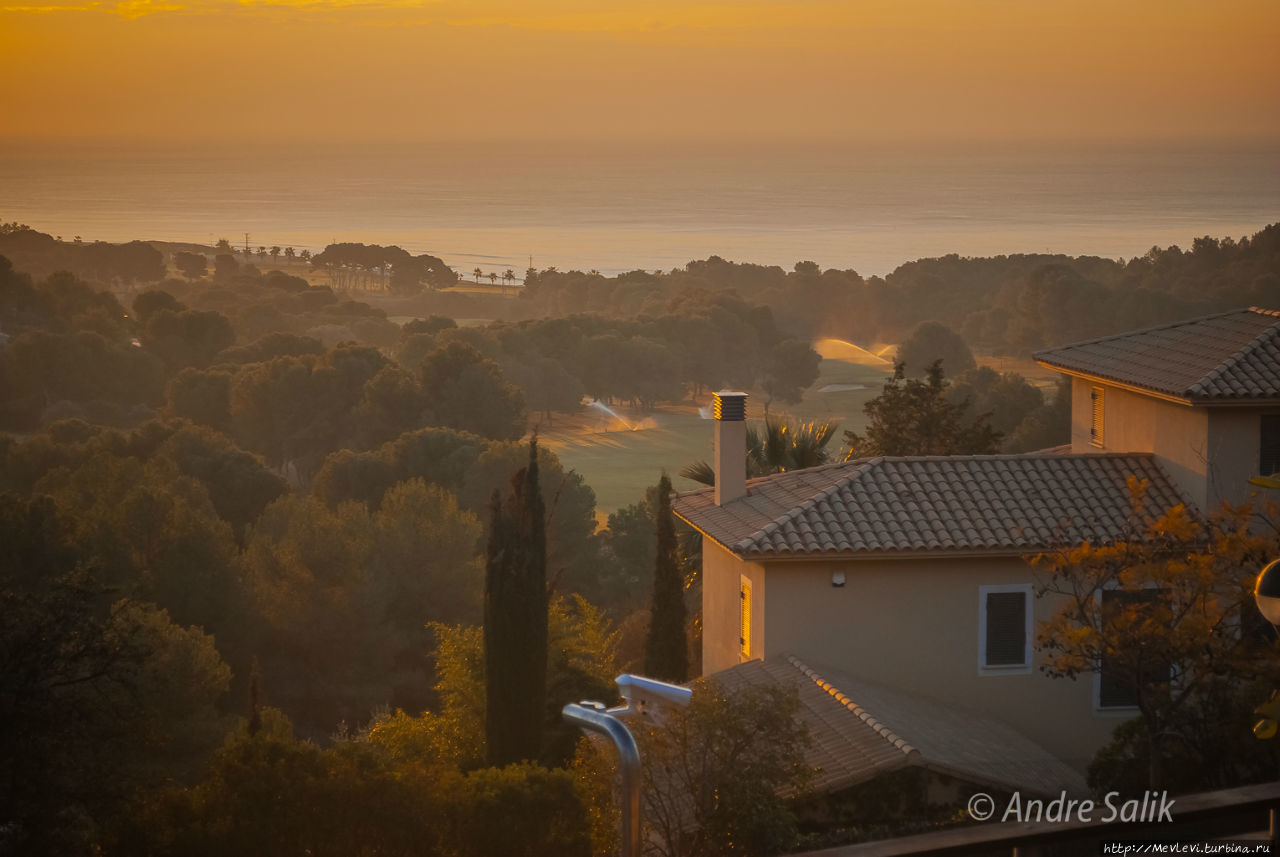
{"x":1006,"y":629}
{"x":1097,"y":396}
{"x":744,"y":617}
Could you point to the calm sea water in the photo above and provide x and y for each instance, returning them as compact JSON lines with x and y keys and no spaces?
{"x":616,"y":208}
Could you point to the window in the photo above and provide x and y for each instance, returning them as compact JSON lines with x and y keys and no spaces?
{"x":1097,"y":398}
{"x":744,"y":617}
{"x":1004,"y":629}
{"x":1117,"y":685}
{"x":1269,"y":453}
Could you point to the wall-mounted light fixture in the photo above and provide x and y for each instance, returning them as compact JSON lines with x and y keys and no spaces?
{"x":837,"y":579}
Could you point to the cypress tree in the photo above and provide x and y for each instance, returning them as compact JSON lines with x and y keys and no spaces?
{"x":666,"y":648}
{"x":515,"y":620}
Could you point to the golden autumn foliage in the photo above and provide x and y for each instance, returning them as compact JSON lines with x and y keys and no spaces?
{"x":1166,"y":615}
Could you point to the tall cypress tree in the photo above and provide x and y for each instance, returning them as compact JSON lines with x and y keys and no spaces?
{"x":666,"y":654}
{"x":515,"y":620}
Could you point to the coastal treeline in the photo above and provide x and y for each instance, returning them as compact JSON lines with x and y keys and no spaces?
{"x":1008,"y":305}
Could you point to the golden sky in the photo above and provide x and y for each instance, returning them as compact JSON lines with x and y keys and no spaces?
{"x":639,"y":69}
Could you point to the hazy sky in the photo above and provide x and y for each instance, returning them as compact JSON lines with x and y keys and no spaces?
{"x":642,"y":69}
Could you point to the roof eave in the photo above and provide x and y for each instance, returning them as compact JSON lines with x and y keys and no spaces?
{"x":1116,"y":382}
{"x":1189,"y":401}
{"x":858,"y":556}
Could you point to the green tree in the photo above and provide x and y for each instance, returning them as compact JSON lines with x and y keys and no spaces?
{"x":547,"y":386}
{"x":345,"y":597}
{"x":933,"y":341}
{"x":99,"y":695}
{"x":790,"y":368}
{"x":915,"y":417}
{"x":515,"y":620}
{"x":1006,"y":397}
{"x":465,"y":390}
{"x":1048,"y":425}
{"x":582,"y":662}
{"x":714,"y":774}
{"x":572,"y":561}
{"x":192,"y":265}
{"x":202,"y":396}
{"x":225,"y":267}
{"x":522,"y":811}
{"x":240,"y":486}
{"x":629,"y":555}
{"x":186,"y":338}
{"x":666,"y":648}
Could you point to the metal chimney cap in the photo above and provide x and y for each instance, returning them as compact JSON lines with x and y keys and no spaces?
{"x":730,"y":406}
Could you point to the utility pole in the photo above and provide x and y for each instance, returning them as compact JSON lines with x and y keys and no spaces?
{"x":246,"y":244}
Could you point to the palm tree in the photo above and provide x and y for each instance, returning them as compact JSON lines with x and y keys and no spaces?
{"x":478,"y":273}
{"x":508,"y":275}
{"x":305,"y":255}
{"x":275,"y":254}
{"x":780,"y":447}
{"x":493,"y":278}
{"x":289,"y":254}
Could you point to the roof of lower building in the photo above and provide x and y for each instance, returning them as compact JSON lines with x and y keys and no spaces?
{"x":859,"y":730}
{"x":1218,"y":359}
{"x":938,"y":504}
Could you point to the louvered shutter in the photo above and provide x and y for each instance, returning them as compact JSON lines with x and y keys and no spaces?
{"x":1097,"y":396}
{"x":744,"y":618}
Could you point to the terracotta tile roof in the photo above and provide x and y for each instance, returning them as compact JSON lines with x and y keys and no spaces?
{"x":1230,"y":357}
{"x":934,"y":504}
{"x":859,"y":730}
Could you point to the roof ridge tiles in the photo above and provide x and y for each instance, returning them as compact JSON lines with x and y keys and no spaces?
{"x":848,"y":703}
{"x":1227,"y":363}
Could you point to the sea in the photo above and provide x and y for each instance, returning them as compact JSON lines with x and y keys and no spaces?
{"x":615,"y":207}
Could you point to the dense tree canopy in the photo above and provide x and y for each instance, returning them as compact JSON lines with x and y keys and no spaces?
{"x":915,"y":417}
{"x":933,"y":342}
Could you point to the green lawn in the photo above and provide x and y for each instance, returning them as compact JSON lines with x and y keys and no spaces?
{"x":619,"y":464}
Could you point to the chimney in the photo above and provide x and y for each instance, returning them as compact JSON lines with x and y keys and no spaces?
{"x":730,"y":412}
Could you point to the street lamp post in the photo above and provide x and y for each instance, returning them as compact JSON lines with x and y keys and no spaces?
{"x":1266,"y":593}
{"x":645,"y":698}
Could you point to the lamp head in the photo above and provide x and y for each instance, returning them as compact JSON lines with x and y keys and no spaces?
{"x":1267,"y":592}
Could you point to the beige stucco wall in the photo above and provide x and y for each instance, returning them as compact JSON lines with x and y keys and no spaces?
{"x":911,"y":624}
{"x":1235,"y":440}
{"x":722,"y":573}
{"x":1177,"y":434}
{"x":1211,"y":453}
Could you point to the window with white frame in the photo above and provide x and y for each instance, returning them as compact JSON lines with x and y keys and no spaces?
{"x":1004,"y":629}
